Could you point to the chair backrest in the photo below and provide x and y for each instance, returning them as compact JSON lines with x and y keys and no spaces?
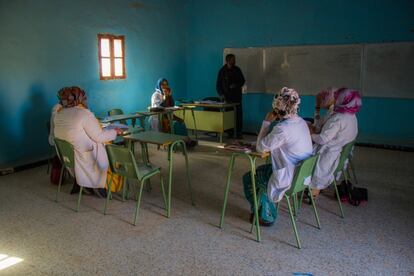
{"x":303,"y":171}
{"x":122,"y":161}
{"x":346,"y":151}
{"x":65,"y":152}
{"x":115,"y":111}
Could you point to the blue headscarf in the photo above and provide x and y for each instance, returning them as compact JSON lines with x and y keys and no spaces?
{"x":158,"y":86}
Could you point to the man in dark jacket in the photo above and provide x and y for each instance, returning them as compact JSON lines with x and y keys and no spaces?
{"x":229,"y":84}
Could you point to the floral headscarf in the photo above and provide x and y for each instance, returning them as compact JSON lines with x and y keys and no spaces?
{"x":347,"y":101}
{"x":72,"y":96}
{"x":327,"y":96}
{"x":286,"y":103}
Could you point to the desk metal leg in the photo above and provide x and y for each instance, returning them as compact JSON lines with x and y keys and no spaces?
{"x":221,"y":137}
{"x":235,"y":122}
{"x":256,"y":209}
{"x":142,"y":121}
{"x":187,"y":171}
{"x":226,"y":192}
{"x":253,"y":179}
{"x":195,"y":125}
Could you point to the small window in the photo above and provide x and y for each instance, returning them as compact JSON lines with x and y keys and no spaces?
{"x":111,"y":52}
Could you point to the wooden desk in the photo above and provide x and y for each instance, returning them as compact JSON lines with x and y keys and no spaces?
{"x":211,"y":121}
{"x":162,"y":139}
{"x":252,"y":157}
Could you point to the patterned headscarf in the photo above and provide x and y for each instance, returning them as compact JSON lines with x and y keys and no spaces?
{"x":72,"y":96}
{"x":158,"y":86}
{"x":327,"y":96}
{"x":347,"y":101}
{"x":286,"y":103}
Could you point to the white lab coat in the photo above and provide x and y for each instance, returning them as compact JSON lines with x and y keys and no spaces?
{"x":339,"y":130}
{"x":55,"y":109}
{"x":289,"y":143}
{"x":156,"y":100}
{"x":319,"y":121}
{"x":79,"y":127}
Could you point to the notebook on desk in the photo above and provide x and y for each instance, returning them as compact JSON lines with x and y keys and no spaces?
{"x":241,"y":146}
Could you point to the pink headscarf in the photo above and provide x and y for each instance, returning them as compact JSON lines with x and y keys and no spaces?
{"x":328,"y":95}
{"x":347,"y":101}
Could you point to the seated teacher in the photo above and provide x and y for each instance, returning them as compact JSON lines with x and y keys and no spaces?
{"x":289,"y":142}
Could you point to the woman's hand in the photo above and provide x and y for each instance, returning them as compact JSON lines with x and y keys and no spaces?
{"x":271,"y":116}
{"x":119,"y":131}
{"x":311,"y":129}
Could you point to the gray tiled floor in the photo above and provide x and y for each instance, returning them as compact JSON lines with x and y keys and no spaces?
{"x":374,"y":239}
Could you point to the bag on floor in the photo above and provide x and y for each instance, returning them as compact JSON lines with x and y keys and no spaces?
{"x":117,"y":181}
{"x":55,"y":170}
{"x":354,"y":195}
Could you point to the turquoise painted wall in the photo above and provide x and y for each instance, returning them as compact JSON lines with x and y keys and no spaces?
{"x":48,"y":44}
{"x":214,"y":25}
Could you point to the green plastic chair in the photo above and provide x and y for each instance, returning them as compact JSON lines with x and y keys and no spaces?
{"x":66,"y":155}
{"x":345,"y":154}
{"x":122,"y":162}
{"x":302,"y":172}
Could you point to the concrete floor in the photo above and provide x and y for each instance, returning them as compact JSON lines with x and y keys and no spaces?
{"x":376,"y":238}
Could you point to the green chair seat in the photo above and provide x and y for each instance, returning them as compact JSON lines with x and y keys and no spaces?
{"x":123,"y":163}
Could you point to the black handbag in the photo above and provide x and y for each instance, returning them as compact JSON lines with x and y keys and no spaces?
{"x":354,"y":195}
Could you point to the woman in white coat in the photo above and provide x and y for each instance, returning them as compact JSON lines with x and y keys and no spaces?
{"x":76,"y":124}
{"x":289,"y":142}
{"x":324,"y":100}
{"x":340,"y":129}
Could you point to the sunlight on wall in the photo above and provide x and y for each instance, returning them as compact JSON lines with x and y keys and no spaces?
{"x":7,"y":261}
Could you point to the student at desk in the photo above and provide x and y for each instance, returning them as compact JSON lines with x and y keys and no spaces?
{"x":324,"y":100}
{"x":340,"y":129}
{"x":289,"y":142}
{"x":161,"y":98}
{"x":76,"y":124}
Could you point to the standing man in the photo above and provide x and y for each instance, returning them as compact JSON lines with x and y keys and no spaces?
{"x":229,"y":84}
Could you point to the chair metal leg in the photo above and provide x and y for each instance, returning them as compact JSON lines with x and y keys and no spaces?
{"x":79,"y":198}
{"x":226,"y":192}
{"x":60,"y":183}
{"x":170,"y":172}
{"x":138,"y":202}
{"x":108,"y":196}
{"x":339,"y":199}
{"x":314,"y":208}
{"x":293,"y":222}
{"x":163,"y":191}
{"x":124,"y":189}
{"x":352,"y":168}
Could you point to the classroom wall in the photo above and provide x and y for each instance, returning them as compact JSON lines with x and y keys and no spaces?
{"x":215,"y":25}
{"x":48,"y":44}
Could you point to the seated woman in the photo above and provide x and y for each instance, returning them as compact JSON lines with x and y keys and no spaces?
{"x":324,"y":100}
{"x":340,"y":129}
{"x":289,"y":142}
{"x":162,"y":97}
{"x":76,"y":124}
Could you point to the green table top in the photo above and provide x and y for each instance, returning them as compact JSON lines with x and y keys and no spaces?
{"x":219,"y":146}
{"x":114,"y":118}
{"x":164,"y":111}
{"x":214,"y":105}
{"x":155,"y":137}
